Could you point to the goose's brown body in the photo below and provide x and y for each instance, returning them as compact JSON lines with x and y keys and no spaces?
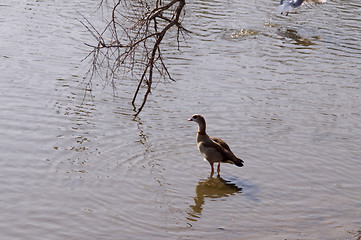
{"x":213,"y":149}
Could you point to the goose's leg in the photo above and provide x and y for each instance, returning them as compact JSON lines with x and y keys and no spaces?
{"x":219,"y":167}
{"x":212,"y":169}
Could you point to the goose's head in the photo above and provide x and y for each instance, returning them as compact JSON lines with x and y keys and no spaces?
{"x":197,"y":118}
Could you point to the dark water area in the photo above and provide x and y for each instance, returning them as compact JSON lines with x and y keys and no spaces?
{"x":283,"y":91}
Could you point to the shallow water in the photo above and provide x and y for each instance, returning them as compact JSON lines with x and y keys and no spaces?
{"x":284,"y":92}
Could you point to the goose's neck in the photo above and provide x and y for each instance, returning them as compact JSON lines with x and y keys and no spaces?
{"x":202,"y":128}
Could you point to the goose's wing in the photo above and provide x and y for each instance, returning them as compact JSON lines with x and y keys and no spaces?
{"x":225,"y":150}
{"x":221,"y":142}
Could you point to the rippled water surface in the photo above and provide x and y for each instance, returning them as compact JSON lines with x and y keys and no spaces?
{"x":283,"y":91}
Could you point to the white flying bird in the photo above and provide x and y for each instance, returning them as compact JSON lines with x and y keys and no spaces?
{"x":287,"y":5}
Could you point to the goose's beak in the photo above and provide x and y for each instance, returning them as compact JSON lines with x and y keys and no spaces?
{"x":191,"y":119}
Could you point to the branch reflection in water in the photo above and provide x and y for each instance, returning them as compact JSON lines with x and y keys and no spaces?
{"x":212,"y":187}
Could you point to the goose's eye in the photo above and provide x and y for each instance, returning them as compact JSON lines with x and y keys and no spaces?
{"x":195,"y":117}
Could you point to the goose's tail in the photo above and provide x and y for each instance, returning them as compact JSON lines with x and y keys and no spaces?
{"x":238,"y":162}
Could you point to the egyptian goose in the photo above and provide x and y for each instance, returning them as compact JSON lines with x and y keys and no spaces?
{"x":287,"y":5}
{"x":213,"y":149}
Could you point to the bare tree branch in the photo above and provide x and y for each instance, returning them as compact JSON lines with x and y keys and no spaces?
{"x":131,"y":41}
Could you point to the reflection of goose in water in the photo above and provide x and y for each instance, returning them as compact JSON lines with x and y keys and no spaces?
{"x":288,"y":5}
{"x":213,"y":187}
{"x":299,"y":40}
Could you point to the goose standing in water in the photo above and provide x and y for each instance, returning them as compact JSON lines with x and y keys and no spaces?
{"x":288,"y":5}
{"x":213,"y":149}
